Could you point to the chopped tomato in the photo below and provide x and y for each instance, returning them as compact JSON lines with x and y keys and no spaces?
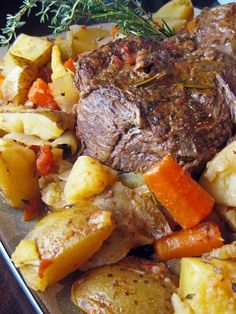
{"x":44,"y":264}
{"x":69,"y":64}
{"x":40,"y":94}
{"x":45,"y":163}
{"x":118,"y":62}
{"x":34,"y":207}
{"x":130,"y":59}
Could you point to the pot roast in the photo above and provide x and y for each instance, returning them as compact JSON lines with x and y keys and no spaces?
{"x":141,"y":99}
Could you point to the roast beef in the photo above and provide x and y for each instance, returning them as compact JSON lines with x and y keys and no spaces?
{"x":141,"y":99}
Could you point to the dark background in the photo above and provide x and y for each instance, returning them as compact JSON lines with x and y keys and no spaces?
{"x":12,"y":299}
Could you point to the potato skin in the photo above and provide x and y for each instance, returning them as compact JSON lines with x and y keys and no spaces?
{"x":131,"y":286}
{"x":65,"y":239}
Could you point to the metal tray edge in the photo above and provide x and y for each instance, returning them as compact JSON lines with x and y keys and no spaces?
{"x":31,"y":296}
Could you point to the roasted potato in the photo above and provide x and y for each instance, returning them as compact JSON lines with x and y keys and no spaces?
{"x":20,"y":66}
{"x":219,"y":178}
{"x":18,"y":179}
{"x":131,"y":286}
{"x":85,"y":39}
{"x":208,"y":285}
{"x":46,"y":124}
{"x":36,"y":50}
{"x":138,"y":220}
{"x":62,"y":86}
{"x":60,"y":243}
{"x":176,"y":13}
{"x":88,"y":178}
{"x":16,"y":84}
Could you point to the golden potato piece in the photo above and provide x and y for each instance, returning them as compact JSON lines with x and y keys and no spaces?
{"x":17,"y":82}
{"x":88,"y":177}
{"x":179,"y":9}
{"x":208,"y":285}
{"x":131,"y":286}
{"x":62,"y":87}
{"x":85,"y":39}
{"x":18,"y":181}
{"x":36,"y":50}
{"x":45,"y":124}
{"x":65,"y":240}
{"x":219,"y":178}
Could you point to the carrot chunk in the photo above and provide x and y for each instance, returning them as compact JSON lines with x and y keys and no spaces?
{"x":183,"y":197}
{"x":40,"y":94}
{"x":33,"y":208}
{"x":69,"y":64}
{"x":192,"y":242}
{"x":44,"y":162}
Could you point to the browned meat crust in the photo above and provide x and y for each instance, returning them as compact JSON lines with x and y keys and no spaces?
{"x":131,"y":128}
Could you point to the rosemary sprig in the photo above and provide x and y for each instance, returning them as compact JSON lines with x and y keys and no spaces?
{"x":64,"y":13}
{"x":158,"y":76}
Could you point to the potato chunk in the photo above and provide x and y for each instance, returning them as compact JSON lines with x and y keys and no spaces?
{"x":45,"y":124}
{"x":88,"y":177}
{"x":62,"y":88}
{"x":131,"y":286}
{"x":36,"y":50}
{"x":65,"y":240}
{"x":219,"y":178}
{"x":208,"y":285}
{"x":18,"y":182}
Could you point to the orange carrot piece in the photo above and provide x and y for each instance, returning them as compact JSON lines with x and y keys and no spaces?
{"x":192,"y":242}
{"x":44,"y":162}
{"x":40,"y":94}
{"x":114,"y":30}
{"x":33,"y":208}
{"x":44,"y":264}
{"x":184,"y":198}
{"x":69,"y":64}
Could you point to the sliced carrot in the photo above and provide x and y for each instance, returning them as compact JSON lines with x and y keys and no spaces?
{"x":183,"y":197}
{"x":1,"y":81}
{"x":33,"y":208}
{"x":40,"y":94}
{"x":44,"y":264}
{"x":192,"y":242}
{"x":44,"y":162}
{"x":69,"y":64}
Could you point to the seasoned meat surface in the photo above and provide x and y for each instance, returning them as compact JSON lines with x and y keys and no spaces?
{"x":141,"y":99}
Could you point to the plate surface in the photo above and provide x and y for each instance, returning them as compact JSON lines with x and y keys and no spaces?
{"x":55,"y":299}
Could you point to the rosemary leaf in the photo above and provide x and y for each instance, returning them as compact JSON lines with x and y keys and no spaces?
{"x":155,"y":77}
{"x":64,"y":13}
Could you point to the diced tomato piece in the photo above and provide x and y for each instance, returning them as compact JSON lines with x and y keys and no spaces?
{"x":69,"y":64}
{"x":34,"y":207}
{"x":45,"y":163}
{"x":118,"y":62}
{"x":40,"y":94}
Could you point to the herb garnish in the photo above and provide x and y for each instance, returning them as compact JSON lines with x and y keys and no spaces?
{"x":155,"y":77}
{"x":133,"y":20}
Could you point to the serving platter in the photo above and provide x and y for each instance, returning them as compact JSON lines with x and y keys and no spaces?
{"x":56,"y":299}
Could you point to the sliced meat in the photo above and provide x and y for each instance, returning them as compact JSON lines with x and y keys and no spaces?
{"x":141,"y":99}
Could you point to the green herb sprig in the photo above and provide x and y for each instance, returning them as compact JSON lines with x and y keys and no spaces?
{"x":130,"y":19}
